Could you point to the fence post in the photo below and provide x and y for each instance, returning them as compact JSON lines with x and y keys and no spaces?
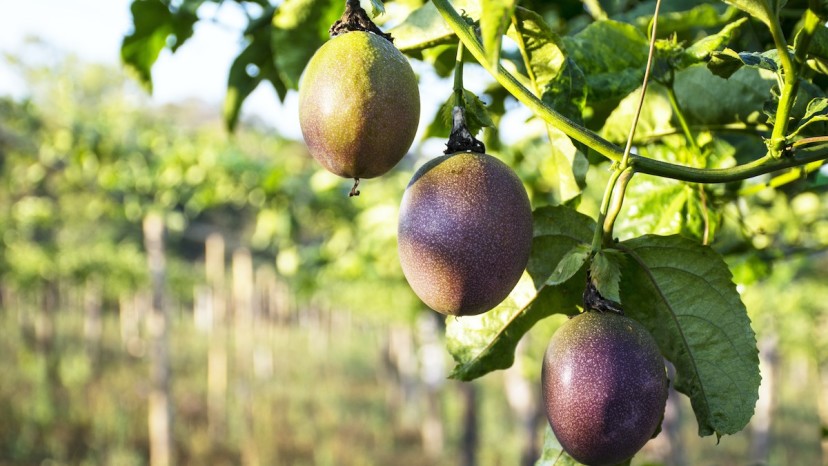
{"x":160,"y":409}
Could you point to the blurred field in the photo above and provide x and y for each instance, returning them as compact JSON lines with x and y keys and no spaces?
{"x":317,"y":390}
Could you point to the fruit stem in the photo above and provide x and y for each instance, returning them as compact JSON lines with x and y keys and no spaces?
{"x":458,"y":73}
{"x":355,"y":18}
{"x":594,"y":301}
{"x":461,"y":139}
{"x":354,"y":190}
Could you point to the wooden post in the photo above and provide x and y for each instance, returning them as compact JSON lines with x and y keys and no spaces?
{"x":469,"y":439}
{"x":244,"y":342}
{"x":160,"y":409}
{"x":760,"y":425}
{"x":524,"y":399}
{"x":217,"y":353}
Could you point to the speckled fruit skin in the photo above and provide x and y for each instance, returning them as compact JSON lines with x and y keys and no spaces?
{"x":604,"y":387}
{"x":359,"y":105}
{"x":464,"y":234}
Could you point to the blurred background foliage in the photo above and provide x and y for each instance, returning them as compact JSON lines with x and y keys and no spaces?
{"x":344,"y":365}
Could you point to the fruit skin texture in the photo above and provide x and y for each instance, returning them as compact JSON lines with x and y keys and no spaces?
{"x":465,"y":232}
{"x":359,"y":105}
{"x":604,"y":387}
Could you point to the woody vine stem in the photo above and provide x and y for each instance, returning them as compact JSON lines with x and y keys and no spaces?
{"x":772,"y":161}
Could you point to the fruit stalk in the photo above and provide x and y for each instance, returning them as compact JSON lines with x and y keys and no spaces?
{"x":355,"y":18}
{"x":461,"y":139}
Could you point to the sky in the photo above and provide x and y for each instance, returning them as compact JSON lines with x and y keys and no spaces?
{"x":93,"y":30}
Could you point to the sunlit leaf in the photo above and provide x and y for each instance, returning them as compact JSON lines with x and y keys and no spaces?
{"x":425,"y":27}
{"x":765,"y":11}
{"x":377,"y":8}
{"x":684,"y":294}
{"x":494,"y":20}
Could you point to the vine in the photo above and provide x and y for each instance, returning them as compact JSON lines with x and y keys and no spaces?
{"x":768,"y":163}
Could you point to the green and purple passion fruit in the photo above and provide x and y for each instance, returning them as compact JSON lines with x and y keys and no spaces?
{"x":359,"y":105}
{"x":465,"y":231}
{"x":604,"y":387}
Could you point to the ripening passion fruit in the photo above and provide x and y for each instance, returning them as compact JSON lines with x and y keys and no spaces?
{"x":359,"y":105}
{"x":604,"y":387}
{"x":465,"y":231}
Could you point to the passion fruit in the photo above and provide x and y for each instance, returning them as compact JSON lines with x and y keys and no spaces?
{"x":465,"y":231}
{"x":604,"y":387}
{"x":359,"y":105}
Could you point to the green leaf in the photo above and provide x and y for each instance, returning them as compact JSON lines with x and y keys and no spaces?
{"x":684,"y":294}
{"x":300,"y":28}
{"x":377,"y":8}
{"x":552,"y":453}
{"x":494,"y":21}
{"x":477,"y":116}
{"x":815,"y":115}
{"x":707,"y":99}
{"x":557,"y":79}
{"x":612,"y":56}
{"x":425,"y":27}
{"x":764,"y":10}
{"x":571,"y":263}
{"x":605,"y":272}
{"x":818,"y":47}
{"x":481,"y":344}
{"x":727,"y":62}
{"x":154,"y":26}
{"x":254,"y":64}
{"x":703,"y":48}
{"x":655,"y":118}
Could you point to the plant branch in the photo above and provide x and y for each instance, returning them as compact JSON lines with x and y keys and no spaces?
{"x":788,"y":91}
{"x":782,"y":179}
{"x":597,"y":238}
{"x":614,"y":208}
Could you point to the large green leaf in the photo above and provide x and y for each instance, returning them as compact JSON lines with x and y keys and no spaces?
{"x":765,"y":11}
{"x":494,"y":21}
{"x":425,"y":27}
{"x":684,"y":294}
{"x":612,"y":56}
{"x":484,"y":343}
{"x":153,"y":26}
{"x":708,"y":99}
